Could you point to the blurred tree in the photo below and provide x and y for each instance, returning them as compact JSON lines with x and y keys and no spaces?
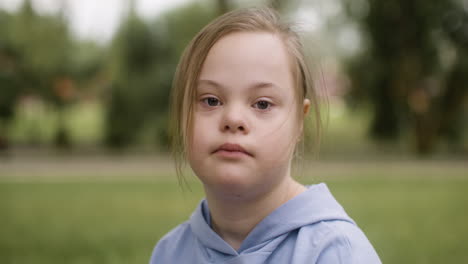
{"x":133,"y":54}
{"x":176,"y":28}
{"x":223,"y":6}
{"x":43,"y":49}
{"x":9,"y":80}
{"x":455,"y":25}
{"x":38,"y":59}
{"x":278,"y":5}
{"x":401,"y":72}
{"x":143,"y":60}
{"x":87,"y":67}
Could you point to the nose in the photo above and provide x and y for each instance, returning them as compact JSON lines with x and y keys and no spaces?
{"x":234,"y":121}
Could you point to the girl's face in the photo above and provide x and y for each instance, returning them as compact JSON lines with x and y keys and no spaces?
{"x":245,"y":121}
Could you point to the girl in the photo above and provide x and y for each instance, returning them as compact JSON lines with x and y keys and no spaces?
{"x":241,"y":92}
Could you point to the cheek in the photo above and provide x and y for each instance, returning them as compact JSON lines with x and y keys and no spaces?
{"x":278,"y":144}
{"x":200,"y":136}
{"x":195,"y":139}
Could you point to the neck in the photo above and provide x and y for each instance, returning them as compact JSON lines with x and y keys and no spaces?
{"x":234,"y":219}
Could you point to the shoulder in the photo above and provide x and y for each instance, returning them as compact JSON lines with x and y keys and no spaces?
{"x":338,"y":241}
{"x":176,"y":242}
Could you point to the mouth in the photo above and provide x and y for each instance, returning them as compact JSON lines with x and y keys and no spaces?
{"x":231,"y":150}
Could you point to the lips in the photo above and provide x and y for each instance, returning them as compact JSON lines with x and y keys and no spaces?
{"x":232,"y":148}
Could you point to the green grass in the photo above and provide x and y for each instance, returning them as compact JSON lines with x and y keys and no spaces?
{"x":408,"y":219}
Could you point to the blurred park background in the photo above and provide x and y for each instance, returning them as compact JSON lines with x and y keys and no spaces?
{"x":85,"y":171}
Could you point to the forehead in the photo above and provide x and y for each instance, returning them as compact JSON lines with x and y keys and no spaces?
{"x":242,"y":58}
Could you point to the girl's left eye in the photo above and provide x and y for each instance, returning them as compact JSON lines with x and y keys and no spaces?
{"x":262,"y":105}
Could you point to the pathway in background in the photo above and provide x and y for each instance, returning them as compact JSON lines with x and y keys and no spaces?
{"x":129,"y":167}
{"x":94,"y":166}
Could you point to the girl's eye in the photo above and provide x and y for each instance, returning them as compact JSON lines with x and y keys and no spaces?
{"x":211,"y":101}
{"x":262,"y":105}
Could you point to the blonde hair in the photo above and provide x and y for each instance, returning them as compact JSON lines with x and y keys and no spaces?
{"x":193,"y":57}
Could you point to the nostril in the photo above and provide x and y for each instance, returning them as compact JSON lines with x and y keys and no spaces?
{"x":239,"y":128}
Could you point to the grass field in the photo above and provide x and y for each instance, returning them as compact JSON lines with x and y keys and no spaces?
{"x":410,"y":216}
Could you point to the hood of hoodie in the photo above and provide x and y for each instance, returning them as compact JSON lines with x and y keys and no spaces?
{"x":314,"y":205}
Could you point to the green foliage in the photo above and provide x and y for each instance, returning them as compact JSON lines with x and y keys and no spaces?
{"x":87,"y":64}
{"x":38,"y":60}
{"x":43,"y":46}
{"x":9,"y":81}
{"x":182,"y":24}
{"x":142,"y":64}
{"x":135,"y":51}
{"x":405,"y":69}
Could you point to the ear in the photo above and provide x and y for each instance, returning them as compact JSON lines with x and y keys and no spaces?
{"x":306,"y":106}
{"x":306,"y":109}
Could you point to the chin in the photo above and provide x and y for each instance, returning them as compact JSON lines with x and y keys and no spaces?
{"x":228,"y":182}
{"x":231,"y":177}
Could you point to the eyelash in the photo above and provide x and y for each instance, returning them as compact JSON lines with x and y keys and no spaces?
{"x":218,"y":103}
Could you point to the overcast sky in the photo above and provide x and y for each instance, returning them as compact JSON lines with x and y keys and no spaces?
{"x":99,"y":19}
{"x":96,"y":19}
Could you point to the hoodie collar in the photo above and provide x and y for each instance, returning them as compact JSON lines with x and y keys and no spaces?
{"x":314,"y":205}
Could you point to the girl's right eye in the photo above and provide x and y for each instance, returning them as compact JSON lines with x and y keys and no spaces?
{"x":211,"y":101}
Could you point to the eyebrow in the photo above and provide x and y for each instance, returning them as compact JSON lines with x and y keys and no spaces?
{"x":254,"y":85}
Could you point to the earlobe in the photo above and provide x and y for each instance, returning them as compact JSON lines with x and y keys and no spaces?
{"x":306,"y":109}
{"x":306,"y":106}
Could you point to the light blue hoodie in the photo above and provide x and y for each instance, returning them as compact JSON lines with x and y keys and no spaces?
{"x":310,"y":228}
